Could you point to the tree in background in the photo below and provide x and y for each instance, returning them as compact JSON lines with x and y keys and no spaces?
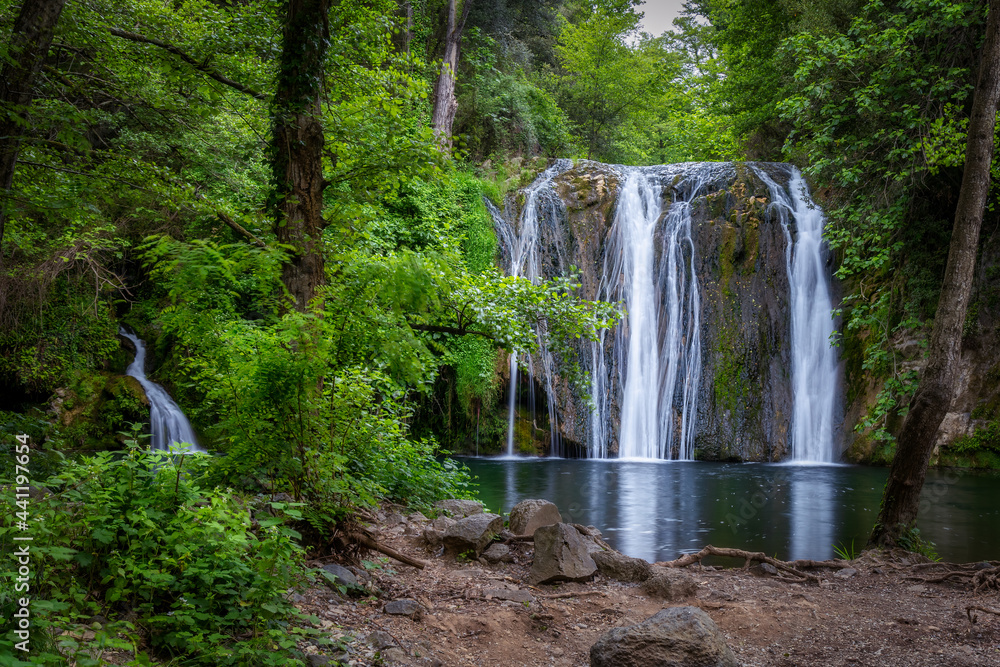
{"x":445,"y":103}
{"x":932,"y":400}
{"x":297,"y":146}
{"x":604,"y":78}
{"x":26,"y":52}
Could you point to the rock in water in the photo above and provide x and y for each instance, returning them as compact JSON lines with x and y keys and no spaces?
{"x":529,"y":515}
{"x":669,"y":584}
{"x":459,"y":509}
{"x":620,"y":567}
{"x":472,"y":534}
{"x":561,"y":555}
{"x":676,"y":637}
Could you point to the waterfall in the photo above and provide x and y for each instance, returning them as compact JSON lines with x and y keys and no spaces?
{"x":814,"y":360}
{"x":167,"y":422}
{"x":522,"y":248}
{"x":657,"y":348}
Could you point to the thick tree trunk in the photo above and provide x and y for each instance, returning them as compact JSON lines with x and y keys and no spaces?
{"x":927,"y":409}
{"x":297,"y":146}
{"x":445,"y":104}
{"x":29,"y":45}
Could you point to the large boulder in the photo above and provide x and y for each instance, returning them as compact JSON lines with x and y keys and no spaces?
{"x":669,"y":583}
{"x":618,"y":566}
{"x":458,"y":508}
{"x":472,"y":534}
{"x":676,"y":637}
{"x":529,"y":515}
{"x":561,"y":554}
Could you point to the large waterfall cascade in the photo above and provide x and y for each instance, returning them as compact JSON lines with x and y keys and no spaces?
{"x":814,"y":359}
{"x":170,"y":428}
{"x":646,"y":377}
{"x":657,"y":349}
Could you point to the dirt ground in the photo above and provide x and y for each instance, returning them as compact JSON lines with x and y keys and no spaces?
{"x":880,"y":617}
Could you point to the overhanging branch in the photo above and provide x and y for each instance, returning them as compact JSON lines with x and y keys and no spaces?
{"x":200,"y":66}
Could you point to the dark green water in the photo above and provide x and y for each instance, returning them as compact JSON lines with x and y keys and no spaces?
{"x":657,"y":511}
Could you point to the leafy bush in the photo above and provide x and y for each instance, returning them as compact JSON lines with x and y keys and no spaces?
{"x":133,"y":543}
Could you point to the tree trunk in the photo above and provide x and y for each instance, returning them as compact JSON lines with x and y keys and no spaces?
{"x":297,"y":147}
{"x":929,"y":406}
{"x":29,"y":45}
{"x":445,"y":104}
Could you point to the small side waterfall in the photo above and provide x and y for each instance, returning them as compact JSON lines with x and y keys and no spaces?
{"x":168,"y":424}
{"x":814,"y":360}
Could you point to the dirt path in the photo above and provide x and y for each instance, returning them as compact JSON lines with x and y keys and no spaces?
{"x":478,"y":615}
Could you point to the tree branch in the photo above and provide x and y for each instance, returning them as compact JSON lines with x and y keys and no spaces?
{"x":200,"y":66}
{"x":455,"y":331}
{"x":240,"y":229}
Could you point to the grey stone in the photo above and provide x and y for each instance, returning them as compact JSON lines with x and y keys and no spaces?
{"x":498,"y":553}
{"x":514,"y":595}
{"x":395,"y":655}
{"x":343,"y":576}
{"x":676,"y":637}
{"x":380,"y":640}
{"x":472,"y":534}
{"x":315,"y":660}
{"x":560,"y":555}
{"x":764,"y":569}
{"x":417,"y":517}
{"x":529,"y":515}
{"x":845,"y":573}
{"x":669,"y":584}
{"x":433,"y":537}
{"x":404,"y":607}
{"x":620,"y":567}
{"x":459,"y":508}
{"x":442,"y":523}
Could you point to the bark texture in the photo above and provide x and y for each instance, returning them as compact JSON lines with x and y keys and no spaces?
{"x":297,"y":147}
{"x":901,"y":498}
{"x":445,"y":103}
{"x":29,"y":45}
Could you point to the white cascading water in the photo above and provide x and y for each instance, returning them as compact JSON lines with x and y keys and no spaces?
{"x":657,"y":348}
{"x":524,"y":262}
{"x":167,"y":422}
{"x":814,"y":359}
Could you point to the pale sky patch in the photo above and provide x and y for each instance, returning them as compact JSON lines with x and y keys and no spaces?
{"x":659,"y":15}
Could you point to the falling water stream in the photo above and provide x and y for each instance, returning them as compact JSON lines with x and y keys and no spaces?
{"x":814,"y":359}
{"x":650,"y":267}
{"x":167,"y":422}
{"x":652,"y":366}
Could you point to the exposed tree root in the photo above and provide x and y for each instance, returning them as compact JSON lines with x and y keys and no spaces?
{"x":790,"y":567}
{"x":979,"y":577}
{"x":370,"y":543}
{"x":975,"y":607}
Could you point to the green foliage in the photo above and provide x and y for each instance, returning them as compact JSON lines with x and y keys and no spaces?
{"x":846,"y":551}
{"x":911,"y":540}
{"x":604,"y":79}
{"x":137,"y":540}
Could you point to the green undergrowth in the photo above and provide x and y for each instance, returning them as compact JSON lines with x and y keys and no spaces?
{"x":134,"y":552}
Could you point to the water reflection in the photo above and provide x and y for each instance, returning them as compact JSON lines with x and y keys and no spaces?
{"x":658,"y":510}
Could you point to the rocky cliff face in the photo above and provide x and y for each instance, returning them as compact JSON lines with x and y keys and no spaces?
{"x":742,"y":399}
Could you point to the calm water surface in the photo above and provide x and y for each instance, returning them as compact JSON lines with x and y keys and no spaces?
{"x":658,"y":510}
